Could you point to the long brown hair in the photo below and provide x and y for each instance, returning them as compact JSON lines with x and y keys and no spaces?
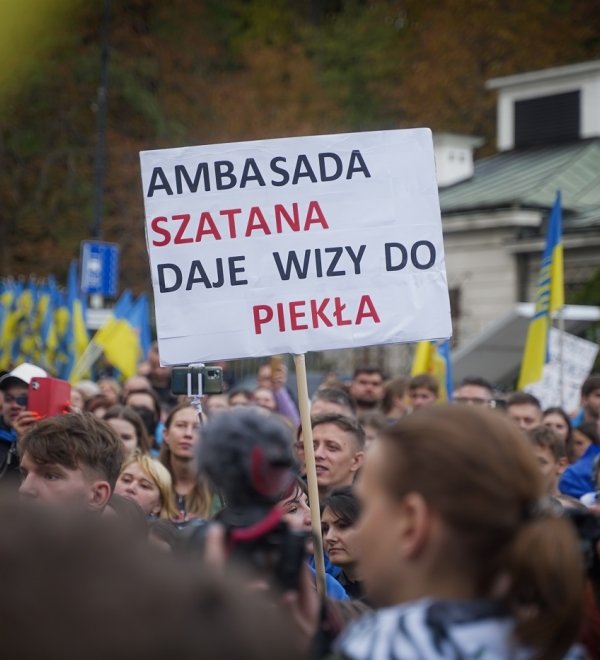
{"x":129,"y":415}
{"x":475,"y":468}
{"x":198,"y":500}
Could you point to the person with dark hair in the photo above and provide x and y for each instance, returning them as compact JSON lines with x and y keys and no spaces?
{"x":556,"y":418}
{"x":525,"y":410}
{"x":585,"y":435}
{"x":340,"y":511}
{"x":240,"y":397}
{"x":577,"y":479}
{"x":130,"y":427}
{"x":147,"y":405}
{"x":475,"y":391}
{"x":332,"y":400}
{"x":366,"y":388}
{"x":339,"y":443}
{"x":590,"y":400}
{"x":178,"y":455}
{"x":423,"y":391}
{"x":549,"y":449}
{"x":454,"y":547}
{"x":393,"y":404}
{"x":296,"y":513}
{"x":71,"y":459}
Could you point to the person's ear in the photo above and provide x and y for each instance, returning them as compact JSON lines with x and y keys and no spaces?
{"x":563,"y":464}
{"x":156,"y":510}
{"x":100,"y":493}
{"x":357,"y":461}
{"x":414,"y":525}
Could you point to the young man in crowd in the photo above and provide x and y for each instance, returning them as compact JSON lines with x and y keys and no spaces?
{"x":339,"y":443}
{"x":72,"y":460}
{"x":366,"y":389}
{"x":423,"y":390}
{"x":525,"y":410}
{"x":474,"y":391}
{"x":551,"y":454}
{"x":590,"y":401}
{"x":14,"y":388}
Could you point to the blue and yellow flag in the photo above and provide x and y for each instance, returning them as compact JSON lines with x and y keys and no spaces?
{"x":119,"y":338}
{"x":550,"y":297}
{"x":434,"y":358}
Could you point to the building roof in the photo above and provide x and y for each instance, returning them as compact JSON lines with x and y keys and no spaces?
{"x":530,"y":178}
{"x":554,"y":73}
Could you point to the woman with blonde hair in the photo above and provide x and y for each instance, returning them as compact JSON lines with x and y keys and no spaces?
{"x":455,"y":547}
{"x":147,"y":482}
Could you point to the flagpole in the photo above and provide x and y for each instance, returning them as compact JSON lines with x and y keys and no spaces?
{"x":561,"y":369}
{"x":311,"y":472}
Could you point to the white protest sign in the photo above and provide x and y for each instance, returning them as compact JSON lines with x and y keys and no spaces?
{"x":295,"y":245}
{"x":578,"y":359}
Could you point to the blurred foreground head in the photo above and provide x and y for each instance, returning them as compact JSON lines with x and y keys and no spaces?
{"x":78,"y":588}
{"x":451,"y":509}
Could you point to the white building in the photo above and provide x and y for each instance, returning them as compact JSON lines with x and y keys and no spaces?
{"x":495,"y":216}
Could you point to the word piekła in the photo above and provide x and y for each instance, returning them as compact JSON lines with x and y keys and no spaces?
{"x":305,"y":314}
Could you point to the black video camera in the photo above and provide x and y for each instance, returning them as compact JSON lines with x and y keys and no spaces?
{"x":269,"y":548}
{"x":248,"y":459}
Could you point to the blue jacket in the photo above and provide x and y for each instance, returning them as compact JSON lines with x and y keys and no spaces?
{"x":334,"y":588}
{"x":577,"y":478}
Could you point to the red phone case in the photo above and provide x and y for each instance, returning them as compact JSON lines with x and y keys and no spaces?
{"x":49,"y":396}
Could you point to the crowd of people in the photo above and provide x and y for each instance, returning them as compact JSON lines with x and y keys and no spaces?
{"x":448,"y":528}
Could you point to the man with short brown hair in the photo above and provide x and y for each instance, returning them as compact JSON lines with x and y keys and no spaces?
{"x":71,"y":459}
{"x":366,"y":388}
{"x":339,"y":443}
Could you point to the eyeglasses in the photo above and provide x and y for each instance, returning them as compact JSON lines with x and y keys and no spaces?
{"x":20,"y":400}
{"x":475,"y":401}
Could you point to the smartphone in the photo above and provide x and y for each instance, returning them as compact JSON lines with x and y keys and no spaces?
{"x":197,"y":380}
{"x":49,"y":396}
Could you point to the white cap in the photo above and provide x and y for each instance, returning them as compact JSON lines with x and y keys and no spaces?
{"x":22,"y":375}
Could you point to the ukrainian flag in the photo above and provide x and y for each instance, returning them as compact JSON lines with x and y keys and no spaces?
{"x":550,"y":297}
{"x":119,"y":337}
{"x":434,"y":358}
{"x":11,"y":292}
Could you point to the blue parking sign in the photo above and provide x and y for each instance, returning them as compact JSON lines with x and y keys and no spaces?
{"x":99,"y":268}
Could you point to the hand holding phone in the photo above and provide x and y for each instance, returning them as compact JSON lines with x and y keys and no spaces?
{"x":49,"y":397}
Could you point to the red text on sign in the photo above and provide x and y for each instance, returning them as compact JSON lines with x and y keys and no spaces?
{"x":236,"y":223}
{"x":306,"y":314}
